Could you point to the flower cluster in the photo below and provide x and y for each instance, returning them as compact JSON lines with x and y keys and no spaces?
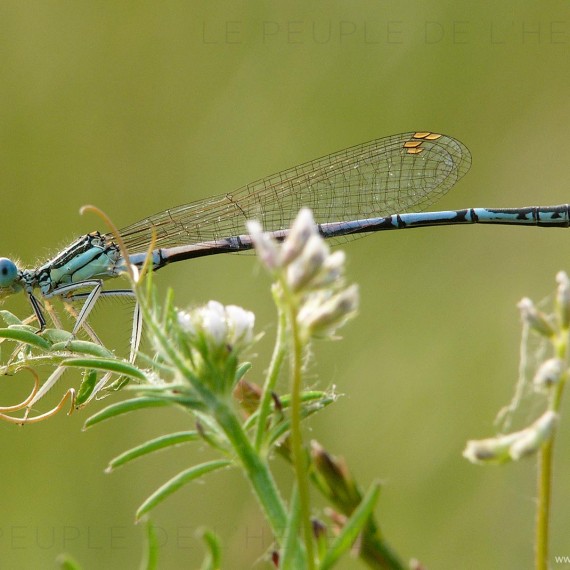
{"x":308,"y":274}
{"x":211,"y":339}
{"x":548,"y":380}
{"x":513,"y":446}
{"x":219,"y":325}
{"x":549,"y":326}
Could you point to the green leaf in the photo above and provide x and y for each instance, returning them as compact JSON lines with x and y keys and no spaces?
{"x":117,"y":384}
{"x":151,"y":446}
{"x":86,"y":388}
{"x":9,"y":318}
{"x":290,"y":551}
{"x":308,"y":409}
{"x":172,"y":394}
{"x":83,"y":347}
{"x":25,"y":327}
{"x":309,"y":396}
{"x":56,"y":335}
{"x":150,"y":560}
{"x":25,"y":336}
{"x":177,"y":482}
{"x":106,"y":365}
{"x":123,"y":408}
{"x":353,"y":527}
{"x":312,"y":399}
{"x":213,"y":560}
{"x":242,"y":370}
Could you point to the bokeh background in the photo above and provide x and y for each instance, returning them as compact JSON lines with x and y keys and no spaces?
{"x":137,"y":106}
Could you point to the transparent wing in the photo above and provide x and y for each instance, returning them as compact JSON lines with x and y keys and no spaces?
{"x":386,"y":176}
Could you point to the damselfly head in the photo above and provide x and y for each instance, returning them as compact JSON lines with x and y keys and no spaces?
{"x":9,"y":277}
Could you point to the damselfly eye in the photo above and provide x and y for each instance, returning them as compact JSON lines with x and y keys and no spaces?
{"x":8,"y":272}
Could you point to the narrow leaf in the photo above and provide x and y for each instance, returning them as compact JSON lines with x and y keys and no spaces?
{"x":83,"y":347}
{"x":213,"y":560}
{"x":150,"y":560}
{"x":290,"y":550}
{"x":307,"y":410}
{"x":106,"y":365}
{"x":151,"y":446}
{"x":353,"y":527}
{"x":177,"y":482}
{"x":24,"y":327}
{"x":25,"y":336}
{"x":243,"y":368}
{"x":123,"y":408}
{"x":308,"y":398}
{"x":9,"y":318}
{"x":56,"y":335}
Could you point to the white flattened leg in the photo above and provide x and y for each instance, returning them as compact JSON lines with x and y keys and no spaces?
{"x":66,"y":291}
{"x":136,"y":333}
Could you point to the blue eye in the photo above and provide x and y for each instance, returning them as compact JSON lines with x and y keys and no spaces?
{"x":8,"y":272}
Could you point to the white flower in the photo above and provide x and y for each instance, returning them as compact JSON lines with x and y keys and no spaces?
{"x":322,"y":314}
{"x":513,"y":446}
{"x":186,"y":323}
{"x":240,"y":323}
{"x":302,"y":229}
{"x":331,"y":270}
{"x":534,"y":318}
{"x":214,"y":322}
{"x":563,"y":298}
{"x":532,"y":438}
{"x":308,"y":263}
{"x":219,"y":325}
{"x":492,"y":450}
{"x":311,"y":276}
{"x":549,"y":373}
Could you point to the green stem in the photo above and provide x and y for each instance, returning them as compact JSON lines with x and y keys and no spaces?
{"x":272,"y":375}
{"x":543,"y":507}
{"x":255,"y":468}
{"x":297,"y":450}
{"x":544,"y":486}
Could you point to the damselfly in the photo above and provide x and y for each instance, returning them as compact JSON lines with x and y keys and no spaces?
{"x":356,"y":191}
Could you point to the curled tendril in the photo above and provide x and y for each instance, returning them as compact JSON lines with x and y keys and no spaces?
{"x":24,"y":404}
{"x":32,"y":395}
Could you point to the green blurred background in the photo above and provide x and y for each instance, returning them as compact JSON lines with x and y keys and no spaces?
{"x":137,"y":106}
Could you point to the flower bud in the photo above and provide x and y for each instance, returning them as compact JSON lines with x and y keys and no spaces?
{"x":308,"y":263}
{"x":240,"y":324}
{"x":492,"y":450}
{"x":340,"y":485}
{"x":563,"y":299}
{"x":217,"y":325}
{"x":247,"y":395}
{"x":321,"y":317}
{"x":549,"y":373}
{"x":512,"y":446}
{"x":185,"y":322}
{"x":302,"y":229}
{"x":531,"y":439}
{"x":213,"y":322}
{"x":331,"y":270}
{"x":535,"y":319}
